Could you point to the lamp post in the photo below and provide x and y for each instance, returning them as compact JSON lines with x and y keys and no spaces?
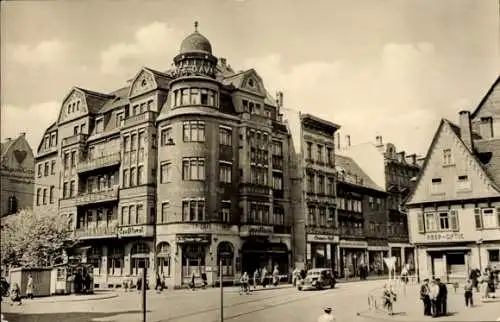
{"x":479,"y":242}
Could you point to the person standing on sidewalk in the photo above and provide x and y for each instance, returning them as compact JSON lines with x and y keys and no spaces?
{"x":442,"y":298}
{"x":276,"y":276}
{"x":255,"y":279}
{"x":434,"y":296}
{"x":468,"y":293}
{"x":30,"y":287}
{"x":424,"y":296}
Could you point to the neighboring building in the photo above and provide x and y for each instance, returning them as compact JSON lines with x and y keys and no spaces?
{"x":395,"y":173}
{"x":176,"y":172}
{"x":17,"y":175}
{"x":454,"y":211}
{"x":315,"y":236}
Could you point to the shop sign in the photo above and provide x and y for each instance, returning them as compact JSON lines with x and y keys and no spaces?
{"x":353,"y":244}
{"x":322,"y":238}
{"x":132,"y":231}
{"x":378,"y":248}
{"x":444,"y":236}
{"x":193,"y":70}
{"x":256,"y":230}
{"x":193,"y":238}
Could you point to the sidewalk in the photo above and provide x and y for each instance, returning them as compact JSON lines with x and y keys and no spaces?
{"x":99,"y":295}
{"x":409,"y":307}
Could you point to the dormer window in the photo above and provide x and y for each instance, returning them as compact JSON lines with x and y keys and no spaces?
{"x":436,"y":186}
{"x":251,"y":83}
{"x":99,"y":125}
{"x":447,"y":157}
{"x":144,"y":83}
{"x":78,"y":105}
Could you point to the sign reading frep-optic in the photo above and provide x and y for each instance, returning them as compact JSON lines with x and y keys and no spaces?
{"x":132,"y":231}
{"x":444,"y":236}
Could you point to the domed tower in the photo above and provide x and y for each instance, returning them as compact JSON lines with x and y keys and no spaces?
{"x":195,"y":56}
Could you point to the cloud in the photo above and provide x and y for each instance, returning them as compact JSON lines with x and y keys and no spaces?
{"x":397,"y":95}
{"x":33,"y":120}
{"x":152,"y":44}
{"x":47,"y":52}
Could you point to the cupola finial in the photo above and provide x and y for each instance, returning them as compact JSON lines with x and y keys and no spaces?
{"x":196,"y":26}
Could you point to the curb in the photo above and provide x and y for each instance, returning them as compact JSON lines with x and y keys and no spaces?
{"x":62,"y":300}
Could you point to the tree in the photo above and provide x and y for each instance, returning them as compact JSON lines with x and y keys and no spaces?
{"x":35,"y":239}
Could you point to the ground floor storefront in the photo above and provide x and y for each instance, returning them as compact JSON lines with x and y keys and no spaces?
{"x":453,"y":262}
{"x":405,"y":256}
{"x":322,"y":251}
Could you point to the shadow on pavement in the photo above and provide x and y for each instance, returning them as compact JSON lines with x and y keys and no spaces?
{"x":60,"y":317}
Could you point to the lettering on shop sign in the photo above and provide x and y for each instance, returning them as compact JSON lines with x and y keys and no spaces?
{"x":444,"y":236}
{"x":257,"y":230}
{"x":195,"y":238}
{"x":353,"y":243}
{"x":323,"y":238}
{"x":131,"y":231}
{"x":193,"y":70}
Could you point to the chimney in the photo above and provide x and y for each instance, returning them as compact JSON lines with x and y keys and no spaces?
{"x":338,"y":140}
{"x":348,"y":140}
{"x":465,"y":129}
{"x":223,"y":61}
{"x":378,"y":139}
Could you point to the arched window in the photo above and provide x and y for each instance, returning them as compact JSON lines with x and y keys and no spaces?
{"x":140,"y":257}
{"x":163,"y":258}
{"x":116,"y":261}
{"x":94,"y":257}
{"x":225,"y":253}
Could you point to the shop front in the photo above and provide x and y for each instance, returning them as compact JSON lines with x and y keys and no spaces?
{"x":353,"y":254}
{"x":376,"y":255}
{"x":194,"y":249}
{"x":322,"y":251}
{"x":450,"y":263}
{"x":258,"y":252}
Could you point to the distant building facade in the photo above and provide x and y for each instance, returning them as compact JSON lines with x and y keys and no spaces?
{"x":177,"y":172}
{"x":454,"y":211}
{"x":17,"y":173}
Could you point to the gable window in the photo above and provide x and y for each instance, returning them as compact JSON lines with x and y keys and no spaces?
{"x":165,"y":135}
{"x":75,"y":130}
{"x":99,"y":126}
{"x":463,"y":183}
{"x":486,"y":127}
{"x":120,"y":119}
{"x":46,"y":142}
{"x":487,"y":218}
{"x":194,"y":131}
{"x":436,"y":186}
{"x":53,"y":139}
{"x":447,"y":159}
{"x":251,"y":83}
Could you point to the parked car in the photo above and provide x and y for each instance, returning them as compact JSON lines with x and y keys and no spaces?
{"x":317,"y":278}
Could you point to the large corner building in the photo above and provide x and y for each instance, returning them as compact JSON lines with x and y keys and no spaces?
{"x":175,"y":172}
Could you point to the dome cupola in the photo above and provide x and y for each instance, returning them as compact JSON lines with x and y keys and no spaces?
{"x":196,"y":43}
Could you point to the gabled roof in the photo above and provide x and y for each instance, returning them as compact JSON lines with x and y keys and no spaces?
{"x":456,"y":131}
{"x":495,"y":87}
{"x":162,"y":79}
{"x":51,"y":128}
{"x":353,"y":173}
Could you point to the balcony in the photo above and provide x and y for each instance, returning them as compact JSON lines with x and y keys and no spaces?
{"x":97,"y":197}
{"x":100,"y":162}
{"x":148,"y":116}
{"x":352,"y":232}
{"x":254,"y":189}
{"x":97,"y":232}
{"x":77,"y":138}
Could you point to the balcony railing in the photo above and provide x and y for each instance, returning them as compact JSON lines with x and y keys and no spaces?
{"x":100,"y":162}
{"x":148,"y":116}
{"x":77,"y":138}
{"x":97,"y":197}
{"x":347,"y":231}
{"x":97,"y":232}
{"x":249,"y":188}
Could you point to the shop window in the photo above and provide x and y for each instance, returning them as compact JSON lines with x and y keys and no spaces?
{"x":163,"y":259}
{"x":193,"y":260}
{"x":225,"y":255}
{"x":94,"y":257}
{"x":140,"y":258}
{"x":116,"y":261}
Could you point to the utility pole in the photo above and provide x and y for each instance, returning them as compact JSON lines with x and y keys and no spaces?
{"x":221,"y":292}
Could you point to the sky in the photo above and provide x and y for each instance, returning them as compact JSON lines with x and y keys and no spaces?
{"x":376,"y":67}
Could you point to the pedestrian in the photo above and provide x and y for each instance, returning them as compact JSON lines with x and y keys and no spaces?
{"x":276,"y":276}
{"x":443,"y":298}
{"x":388,"y":299}
{"x":193,"y":278}
{"x":125,"y":283}
{"x":327,"y":315}
{"x":484,"y":285}
{"x":469,"y":300}
{"x":255,"y":278}
{"x":434,"y":296}
{"x":263,"y":277}
{"x":158,"y":286}
{"x":204,"y":280}
{"x":244,"y":283}
{"x":295,"y":276}
{"x":404,"y":274}
{"x":15,"y":294}
{"x":139,"y":283}
{"x":30,"y":287}
{"x":425,"y":297}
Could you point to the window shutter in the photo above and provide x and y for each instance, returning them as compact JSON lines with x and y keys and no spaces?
{"x":478,"y":219}
{"x":454,"y":220}
{"x":420,"y":222}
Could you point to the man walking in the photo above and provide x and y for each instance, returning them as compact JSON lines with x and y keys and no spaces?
{"x":424,"y":296}
{"x":469,"y":300}
{"x":434,"y":296}
{"x":443,"y":298}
